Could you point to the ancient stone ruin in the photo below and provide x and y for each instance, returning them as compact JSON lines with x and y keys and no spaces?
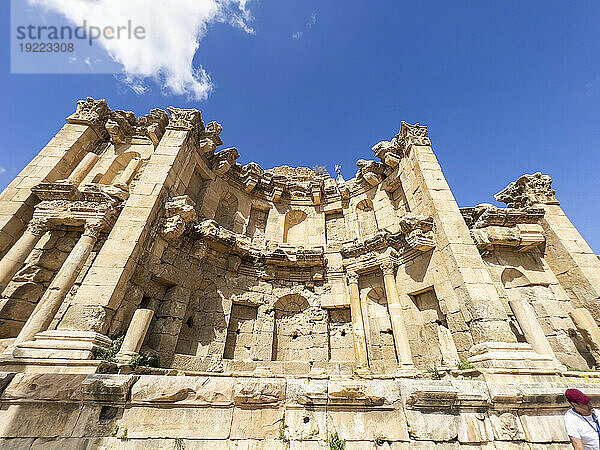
{"x":156,"y":293}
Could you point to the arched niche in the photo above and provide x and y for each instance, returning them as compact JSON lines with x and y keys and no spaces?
{"x":512,"y":278}
{"x":365,"y":216}
{"x":292,"y":334}
{"x":294,"y":227}
{"x":226,"y":211}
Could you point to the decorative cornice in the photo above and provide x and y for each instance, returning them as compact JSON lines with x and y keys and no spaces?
{"x":527,"y":191}
{"x":93,"y":113}
{"x":224,"y":160}
{"x":179,"y":211}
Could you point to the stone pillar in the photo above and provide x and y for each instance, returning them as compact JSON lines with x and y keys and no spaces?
{"x":83,"y":168}
{"x":588,"y":328}
{"x":134,"y":338}
{"x":124,"y":177}
{"x":395,"y":309}
{"x":54,"y":162}
{"x":17,"y":255}
{"x":568,"y":255}
{"x":52,"y":299}
{"x":473,"y":291}
{"x":358,"y":328}
{"x":531,"y":328}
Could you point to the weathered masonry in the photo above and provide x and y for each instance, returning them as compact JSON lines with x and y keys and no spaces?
{"x":292,"y":305}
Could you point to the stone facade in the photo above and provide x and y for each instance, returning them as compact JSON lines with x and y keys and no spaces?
{"x":292,"y":305}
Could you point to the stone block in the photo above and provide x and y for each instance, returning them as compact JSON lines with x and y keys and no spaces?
{"x":182,"y":422}
{"x":44,"y":386}
{"x":359,"y":425}
{"x":107,"y":388}
{"x":200,"y":391}
{"x":256,"y":423}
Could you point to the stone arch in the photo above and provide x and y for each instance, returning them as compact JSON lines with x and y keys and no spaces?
{"x":365,"y":216}
{"x":292,"y":334}
{"x":512,"y":277}
{"x":117,"y":167}
{"x":294,"y":228}
{"x":380,"y":337}
{"x":226,"y":210}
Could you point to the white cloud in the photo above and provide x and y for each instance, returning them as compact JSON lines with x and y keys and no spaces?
{"x":2,"y":169}
{"x":297,"y":34}
{"x":174,"y":29}
{"x":312,"y":20}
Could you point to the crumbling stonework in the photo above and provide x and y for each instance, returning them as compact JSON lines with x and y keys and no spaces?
{"x":292,"y":305}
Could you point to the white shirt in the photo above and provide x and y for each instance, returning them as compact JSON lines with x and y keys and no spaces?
{"x":578,"y":428}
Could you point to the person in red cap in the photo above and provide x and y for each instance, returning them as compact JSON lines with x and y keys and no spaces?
{"x":581,"y":421}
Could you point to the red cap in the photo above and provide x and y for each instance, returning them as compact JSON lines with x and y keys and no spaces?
{"x":575,"y":395}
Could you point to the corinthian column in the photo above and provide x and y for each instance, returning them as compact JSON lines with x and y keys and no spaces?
{"x":17,"y":255}
{"x":395,"y":309}
{"x":358,"y":327}
{"x":52,"y":299}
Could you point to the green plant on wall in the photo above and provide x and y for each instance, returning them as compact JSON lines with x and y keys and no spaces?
{"x":109,"y":354}
{"x":335,"y":442}
{"x":282,"y":433}
{"x":144,"y":360}
{"x":434,"y":372}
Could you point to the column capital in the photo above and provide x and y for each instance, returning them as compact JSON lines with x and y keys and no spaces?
{"x":93,"y":229}
{"x":93,"y":113}
{"x":185,"y":119}
{"x":37,"y":226}
{"x":352,"y":277}
{"x":388,"y":267}
{"x":411,"y":135}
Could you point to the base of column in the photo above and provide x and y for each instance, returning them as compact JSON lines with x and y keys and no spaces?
{"x":125,"y":357}
{"x":512,"y":358}
{"x":61,"y":345}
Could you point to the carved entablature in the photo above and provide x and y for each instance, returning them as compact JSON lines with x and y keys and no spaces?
{"x":251,"y":174}
{"x":209,"y":139}
{"x":179,"y":211}
{"x":277,"y":261}
{"x":493,"y":227}
{"x":224,"y":160}
{"x":93,"y":113}
{"x":63,"y":206}
{"x":418,"y":231}
{"x":123,"y":125}
{"x":377,"y":242}
{"x":411,"y":135}
{"x":527,"y":191}
{"x":388,"y":152}
{"x":370,"y":171}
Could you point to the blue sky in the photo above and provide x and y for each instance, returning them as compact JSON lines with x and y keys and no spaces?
{"x":505,"y":87}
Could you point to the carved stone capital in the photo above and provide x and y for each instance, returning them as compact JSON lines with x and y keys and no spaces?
{"x":527,"y":191}
{"x":93,"y":113}
{"x":352,"y":277}
{"x":185,"y":120}
{"x":37,"y":226}
{"x":93,"y":228}
{"x":388,"y":267}
{"x":411,"y":135}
